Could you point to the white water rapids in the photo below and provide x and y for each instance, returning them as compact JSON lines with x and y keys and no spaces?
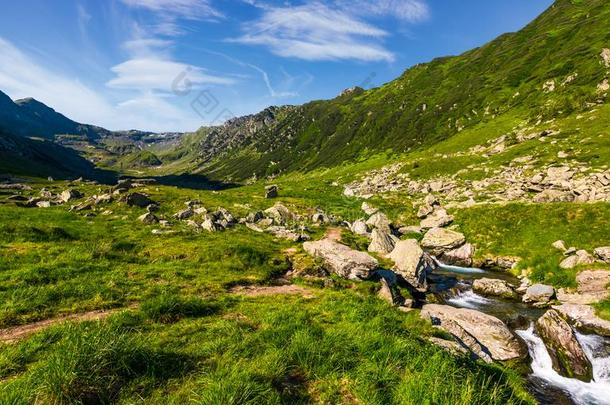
{"x":596,"y":392}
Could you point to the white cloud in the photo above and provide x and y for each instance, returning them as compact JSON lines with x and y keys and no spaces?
{"x":156,"y":74}
{"x":316,"y":32}
{"x":189,"y":9}
{"x":406,"y":10}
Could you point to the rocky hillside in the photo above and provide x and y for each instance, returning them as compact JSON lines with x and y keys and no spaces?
{"x":550,"y":69}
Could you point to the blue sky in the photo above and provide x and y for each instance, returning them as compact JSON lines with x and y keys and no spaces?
{"x":174,"y":65}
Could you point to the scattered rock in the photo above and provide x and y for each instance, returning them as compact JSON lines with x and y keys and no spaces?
{"x":494,"y":287}
{"x":605,"y":55}
{"x":440,"y":240}
{"x":381,"y":241}
{"x":148,"y":218}
{"x":592,"y":288}
{"x":603,"y":254}
{"x":569,"y":359}
{"x":486,"y":336}
{"x":69,"y":195}
{"x":539,"y":295}
{"x":380,"y":221}
{"x":280,"y":214}
{"x":554,"y":196}
{"x":560,"y":245}
{"x":138,"y":200}
{"x":320,"y":218}
{"x":184,"y":214}
{"x":412,"y":263}
{"x":437,"y":219}
{"x":271,"y":191}
{"x":209,"y":225}
{"x":342,"y":260}
{"x":43,"y":204}
{"x":359,"y":227}
{"x":580,"y":258}
{"x":461,"y":256}
{"x":583,"y":318}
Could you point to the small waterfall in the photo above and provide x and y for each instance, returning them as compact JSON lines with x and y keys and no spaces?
{"x":469,"y":299}
{"x":596,"y":392}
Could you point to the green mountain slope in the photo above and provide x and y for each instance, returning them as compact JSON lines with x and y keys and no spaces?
{"x":550,"y":69}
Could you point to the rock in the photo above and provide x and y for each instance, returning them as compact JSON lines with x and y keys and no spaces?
{"x":494,"y":287}
{"x":102,"y":199}
{"x":265,"y":223}
{"x":388,"y":292}
{"x":271,"y":191}
{"x":583,"y":318}
{"x":570,"y":251}
{"x":225,"y":216}
{"x":283,"y":233}
{"x":342,"y":260}
{"x":603,"y":254}
{"x":84,"y":206}
{"x":405,"y":230}
{"x":254,"y":217}
{"x":461,"y":256}
{"x":380,"y":221}
{"x":254,"y":227}
{"x":184,"y":214}
{"x":591,"y":288}
{"x":539,"y":295}
{"x":412,"y":263}
{"x":440,"y":240}
{"x":580,"y":258}
{"x":280,"y":214}
{"x":450,"y":346}
{"x":320,"y":218}
{"x":569,"y":359}
{"x":368,"y":209}
{"x":152,"y":208}
{"x":424,"y":211}
{"x":560,"y":245}
{"x":209,"y":225}
{"x":486,"y":336}
{"x":43,"y":204}
{"x":554,"y":196}
{"x":605,"y":55}
{"x":148,"y":218}
{"x":437,"y":219}
{"x":69,"y":195}
{"x":359,"y":227}
{"x":138,"y":200}
{"x":200,"y":211}
{"x":381,"y":241}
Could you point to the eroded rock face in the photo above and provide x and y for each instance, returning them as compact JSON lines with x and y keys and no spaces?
{"x":439,"y":240}
{"x":494,"y":287}
{"x":412,"y":263}
{"x":583,"y":318}
{"x":342,"y":260}
{"x":569,"y":359}
{"x":483,"y":334}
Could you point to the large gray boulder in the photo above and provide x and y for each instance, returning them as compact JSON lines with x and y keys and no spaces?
{"x":412,"y":263}
{"x":70,"y":195}
{"x":379,"y":220}
{"x":461,"y":256}
{"x":359,"y":227}
{"x":437,"y":219}
{"x":592,"y":288}
{"x":440,"y":240}
{"x":603,"y":254}
{"x":569,"y":359}
{"x":494,"y":287}
{"x":381,"y":241}
{"x":342,"y":260}
{"x":539,"y":295}
{"x":280,"y":214}
{"x":390,"y":293}
{"x":582,"y":257}
{"x":483,"y":334}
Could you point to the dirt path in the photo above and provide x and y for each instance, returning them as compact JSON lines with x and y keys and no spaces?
{"x":15,"y":333}
{"x":257,"y":291}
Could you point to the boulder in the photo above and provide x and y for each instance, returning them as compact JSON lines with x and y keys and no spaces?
{"x":368,"y":209}
{"x":320,"y":218}
{"x":579,"y":259}
{"x":43,"y":204}
{"x":288,"y":234}
{"x":184,"y":214}
{"x":494,"y":287}
{"x":603,"y":254}
{"x":404,"y":230}
{"x":280,"y":214}
{"x":560,"y":245}
{"x":254,"y":217}
{"x":209,"y":225}
{"x":592,"y":288}
{"x":440,"y":240}
{"x":569,"y":359}
{"x":271,"y":191}
{"x":485,"y":335}
{"x":437,"y":219}
{"x":381,"y":241}
{"x":380,"y":221}
{"x":390,"y":293}
{"x":412,"y":263}
{"x":148,"y":218}
{"x":583,"y":318}
{"x":70,"y":195}
{"x":138,"y":200}
{"x":424,"y":211}
{"x":461,"y":256}
{"x":554,"y":196}
{"x":359,"y":227}
{"x":342,"y":260}
{"x":539,"y":295}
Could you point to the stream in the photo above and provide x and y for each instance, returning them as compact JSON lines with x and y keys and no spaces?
{"x":453,"y":285}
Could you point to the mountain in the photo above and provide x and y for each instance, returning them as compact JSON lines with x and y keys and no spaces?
{"x":31,"y":118}
{"x":549,"y":69}
{"x":42,"y":158}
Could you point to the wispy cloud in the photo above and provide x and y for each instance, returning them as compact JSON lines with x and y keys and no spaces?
{"x":316,"y":32}
{"x":156,"y":74}
{"x":189,"y":9}
{"x":407,"y":10}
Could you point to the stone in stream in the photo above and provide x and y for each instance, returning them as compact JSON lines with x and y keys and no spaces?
{"x":486,"y":336}
{"x":412,"y":263}
{"x":568,"y":356}
{"x":539,"y":295}
{"x":494,"y":287}
{"x":342,"y":260}
{"x":439,"y":240}
{"x":382,"y":241}
{"x":583,"y":318}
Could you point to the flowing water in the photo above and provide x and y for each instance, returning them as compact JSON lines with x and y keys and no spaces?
{"x":453,"y":285}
